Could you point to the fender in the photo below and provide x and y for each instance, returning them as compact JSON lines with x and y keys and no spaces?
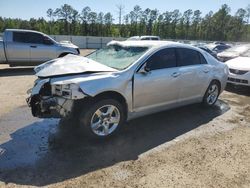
{"x":94,"y":87}
{"x":94,"y":84}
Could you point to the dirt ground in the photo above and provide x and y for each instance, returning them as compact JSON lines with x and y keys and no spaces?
{"x":190,"y":146}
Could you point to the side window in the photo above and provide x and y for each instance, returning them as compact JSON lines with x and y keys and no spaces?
{"x":20,"y":37}
{"x":202,"y":59}
{"x":47,"y":40}
{"x":162,"y":59}
{"x":154,"y":38}
{"x":35,"y":38}
{"x":187,"y":57}
{"x":145,"y":38}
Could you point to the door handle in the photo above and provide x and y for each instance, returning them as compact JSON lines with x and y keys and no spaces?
{"x":33,"y":46}
{"x":175,"y":74}
{"x":205,"y":70}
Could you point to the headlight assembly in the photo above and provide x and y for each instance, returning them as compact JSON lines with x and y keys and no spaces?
{"x":63,"y":90}
{"x":68,"y":91}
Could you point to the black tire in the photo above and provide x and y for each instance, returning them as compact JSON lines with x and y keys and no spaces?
{"x":88,"y":112}
{"x":63,"y":54}
{"x":216,"y":95}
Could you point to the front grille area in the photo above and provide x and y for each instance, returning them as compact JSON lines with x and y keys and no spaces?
{"x":239,"y":72}
{"x":238,"y":80}
{"x":45,"y":90}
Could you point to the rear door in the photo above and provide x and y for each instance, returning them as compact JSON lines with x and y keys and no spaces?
{"x":194,"y":72}
{"x":157,"y":87}
{"x":18,"y":50}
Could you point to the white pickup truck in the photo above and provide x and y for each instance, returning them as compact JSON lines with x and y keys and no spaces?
{"x":26,"y":47}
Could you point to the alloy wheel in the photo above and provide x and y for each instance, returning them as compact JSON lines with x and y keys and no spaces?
{"x":105,"y":120}
{"x":213,"y":93}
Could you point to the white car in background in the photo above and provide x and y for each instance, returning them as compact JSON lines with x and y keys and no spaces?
{"x":149,"y":37}
{"x":235,"y":51}
{"x":239,"y":71}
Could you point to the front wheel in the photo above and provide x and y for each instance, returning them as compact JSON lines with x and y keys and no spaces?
{"x":103,"y":118}
{"x":211,"y":94}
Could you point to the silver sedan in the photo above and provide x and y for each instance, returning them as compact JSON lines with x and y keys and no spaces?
{"x":126,"y":80}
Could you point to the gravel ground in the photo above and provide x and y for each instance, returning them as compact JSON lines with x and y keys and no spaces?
{"x":185,"y":147}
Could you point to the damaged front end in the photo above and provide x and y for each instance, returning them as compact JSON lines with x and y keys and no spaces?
{"x":52,"y":100}
{"x":59,"y":84}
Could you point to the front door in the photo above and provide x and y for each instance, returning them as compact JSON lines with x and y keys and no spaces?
{"x":39,"y":51}
{"x":157,"y":86}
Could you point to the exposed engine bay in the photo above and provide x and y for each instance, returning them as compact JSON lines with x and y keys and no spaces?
{"x":53,"y":100}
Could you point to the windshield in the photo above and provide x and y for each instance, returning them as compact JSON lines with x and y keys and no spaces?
{"x":118,"y":57}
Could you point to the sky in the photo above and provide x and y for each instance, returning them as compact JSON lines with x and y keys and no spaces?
{"x":26,"y":9}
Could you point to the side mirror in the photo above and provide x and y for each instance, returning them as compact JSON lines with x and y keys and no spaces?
{"x":144,"y":69}
{"x":147,"y":69}
{"x":47,"y":41}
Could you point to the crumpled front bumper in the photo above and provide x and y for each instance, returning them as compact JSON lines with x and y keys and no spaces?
{"x":48,"y":106}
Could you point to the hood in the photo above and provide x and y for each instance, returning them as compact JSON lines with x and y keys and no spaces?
{"x":240,"y":63}
{"x":228,"y":54}
{"x":235,"y":51}
{"x":67,"y":44}
{"x":70,"y":64}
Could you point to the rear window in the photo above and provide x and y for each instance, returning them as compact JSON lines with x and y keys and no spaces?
{"x":221,"y":47}
{"x":35,"y":38}
{"x":20,"y":37}
{"x":187,"y":57}
{"x":162,"y":59}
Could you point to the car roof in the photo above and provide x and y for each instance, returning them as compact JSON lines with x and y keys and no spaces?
{"x":150,"y":44}
{"x":144,"y":36}
{"x":149,"y":36}
{"x":23,"y":30}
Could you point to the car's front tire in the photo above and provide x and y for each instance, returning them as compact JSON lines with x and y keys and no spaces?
{"x":212,"y":94}
{"x":102,"y":119}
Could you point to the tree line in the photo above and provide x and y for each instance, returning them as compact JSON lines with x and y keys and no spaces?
{"x":189,"y":25}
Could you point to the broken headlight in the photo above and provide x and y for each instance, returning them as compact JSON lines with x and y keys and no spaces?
{"x":62,"y":90}
{"x":68,"y":91}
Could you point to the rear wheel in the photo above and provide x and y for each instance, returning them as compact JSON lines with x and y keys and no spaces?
{"x":211,"y":94}
{"x":103,"y":118}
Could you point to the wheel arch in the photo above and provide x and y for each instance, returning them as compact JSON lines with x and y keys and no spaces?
{"x":100,"y":96}
{"x":218,"y":82}
{"x":112,"y":95}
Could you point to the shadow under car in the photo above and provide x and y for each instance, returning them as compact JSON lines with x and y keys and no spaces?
{"x":45,"y":152}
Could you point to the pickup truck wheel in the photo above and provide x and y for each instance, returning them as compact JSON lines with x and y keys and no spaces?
{"x":211,"y":94}
{"x":63,"y":54}
{"x":103,"y":118}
